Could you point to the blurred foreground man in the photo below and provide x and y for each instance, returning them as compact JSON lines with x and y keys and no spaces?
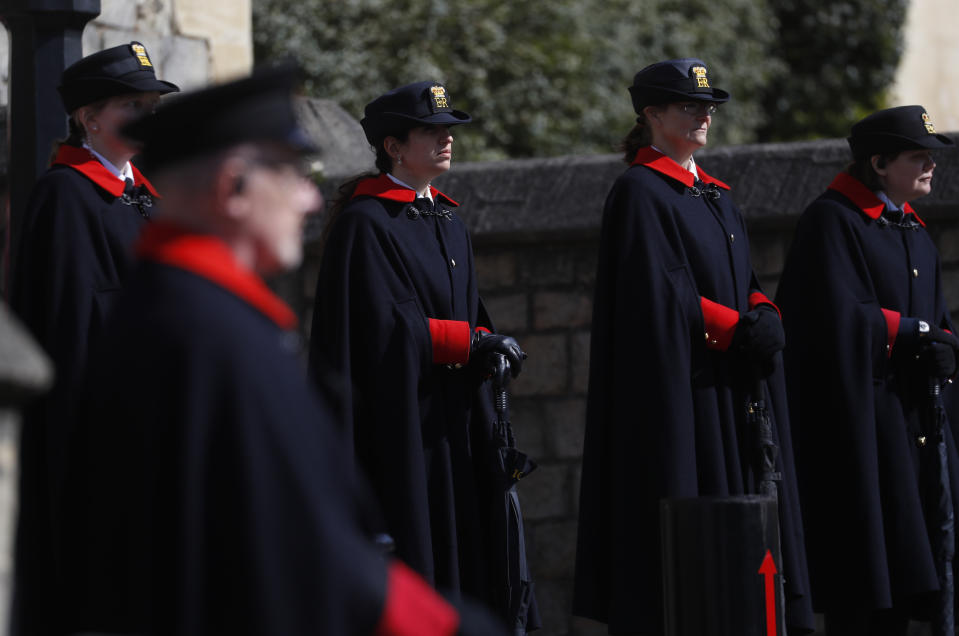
{"x":206,"y":491}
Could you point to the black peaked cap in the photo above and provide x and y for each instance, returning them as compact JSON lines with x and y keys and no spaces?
{"x":674,"y":81}
{"x":893,"y":130}
{"x":115,"y":71}
{"x":402,"y":108}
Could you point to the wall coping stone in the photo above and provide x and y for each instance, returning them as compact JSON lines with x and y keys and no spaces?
{"x":771,"y":183}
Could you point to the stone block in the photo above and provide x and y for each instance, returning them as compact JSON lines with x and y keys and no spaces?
{"x":509,"y":312}
{"x":563,"y":309}
{"x":554,"y":265}
{"x":545,"y":493}
{"x":182,"y":60}
{"x":768,"y":252}
{"x":545,"y":372}
{"x":227,"y":27}
{"x":947,"y":240}
{"x":564,"y":426}
{"x":526,"y":416}
{"x":950,"y":289}
{"x":579,"y":361}
{"x":119,"y":14}
{"x":495,"y":269}
{"x":92,"y":39}
{"x":551,"y":546}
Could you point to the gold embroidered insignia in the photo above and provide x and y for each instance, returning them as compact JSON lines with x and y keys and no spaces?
{"x":699,"y":72}
{"x":140,"y":51}
{"x":928,"y":124}
{"x":438,"y":94}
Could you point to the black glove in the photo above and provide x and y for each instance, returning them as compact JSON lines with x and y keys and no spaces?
{"x":937,"y":359}
{"x":935,"y":348}
{"x":484,"y":344}
{"x":759,"y":334}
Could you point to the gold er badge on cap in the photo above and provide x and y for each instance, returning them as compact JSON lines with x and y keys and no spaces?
{"x":439,"y":102}
{"x":699,"y":73}
{"x":140,"y":51}
{"x":928,"y":124}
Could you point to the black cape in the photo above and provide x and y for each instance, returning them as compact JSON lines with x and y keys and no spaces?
{"x":665,"y":413}
{"x":74,"y":254}
{"x":206,"y":491}
{"x":421,"y":430}
{"x":855,"y":407}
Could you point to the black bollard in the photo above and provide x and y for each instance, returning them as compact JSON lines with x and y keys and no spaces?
{"x":713,"y":551}
{"x":45,"y":38}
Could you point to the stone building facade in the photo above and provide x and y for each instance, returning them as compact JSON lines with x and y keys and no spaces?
{"x":191,"y":42}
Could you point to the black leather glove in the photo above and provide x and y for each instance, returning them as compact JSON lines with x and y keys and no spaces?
{"x":937,"y":359}
{"x":484,"y":344}
{"x":759,"y":334}
{"x":936,"y":349}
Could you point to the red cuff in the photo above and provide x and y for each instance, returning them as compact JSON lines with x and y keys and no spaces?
{"x":720,"y":323}
{"x":758,"y":298}
{"x":413,"y":608}
{"x":451,"y":341}
{"x":892,"y":328}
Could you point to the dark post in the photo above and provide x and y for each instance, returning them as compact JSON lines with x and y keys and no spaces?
{"x":45,"y":38}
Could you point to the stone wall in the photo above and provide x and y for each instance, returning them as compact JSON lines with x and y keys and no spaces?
{"x":535,"y":226}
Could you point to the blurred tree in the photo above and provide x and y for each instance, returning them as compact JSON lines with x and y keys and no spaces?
{"x":549,"y":78}
{"x":842,"y":56}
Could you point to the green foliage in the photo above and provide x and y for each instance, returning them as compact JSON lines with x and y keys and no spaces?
{"x":550,"y":78}
{"x":841,"y":56}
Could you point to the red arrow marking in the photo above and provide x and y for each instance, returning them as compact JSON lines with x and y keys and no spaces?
{"x":768,"y":569}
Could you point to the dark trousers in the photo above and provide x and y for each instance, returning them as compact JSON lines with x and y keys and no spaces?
{"x":885,"y":622}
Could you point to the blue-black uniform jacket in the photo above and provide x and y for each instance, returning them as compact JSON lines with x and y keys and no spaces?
{"x":74,"y":254}
{"x":857,"y":400}
{"x":396,"y":302}
{"x":206,"y":491}
{"x":667,"y":403}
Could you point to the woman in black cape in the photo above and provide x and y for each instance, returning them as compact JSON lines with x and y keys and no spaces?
{"x":681,"y":331}
{"x":402,"y":343}
{"x":73,"y":256}
{"x":867,"y":327}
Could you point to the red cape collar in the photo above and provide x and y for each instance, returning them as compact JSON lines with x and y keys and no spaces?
{"x":83,"y":161}
{"x":382,"y":187}
{"x":864,"y":198}
{"x":655,"y":160}
{"x":209,"y":257}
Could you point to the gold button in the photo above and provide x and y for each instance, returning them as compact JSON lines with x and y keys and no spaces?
{"x":921,"y":440}
{"x":707,"y":336}
{"x":732,"y":238}
{"x":453,"y":262}
{"x":915,"y":273}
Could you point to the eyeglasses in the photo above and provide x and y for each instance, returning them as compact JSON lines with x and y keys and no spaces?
{"x":698,"y":108}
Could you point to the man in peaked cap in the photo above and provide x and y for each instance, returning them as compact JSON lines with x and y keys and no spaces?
{"x":207,"y":488}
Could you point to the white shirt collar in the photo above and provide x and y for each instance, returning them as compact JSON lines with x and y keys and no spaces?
{"x":121,"y":174}
{"x":429,"y":195}
{"x":689,"y":167}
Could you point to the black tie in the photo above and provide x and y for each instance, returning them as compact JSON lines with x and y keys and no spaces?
{"x":128,"y":188}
